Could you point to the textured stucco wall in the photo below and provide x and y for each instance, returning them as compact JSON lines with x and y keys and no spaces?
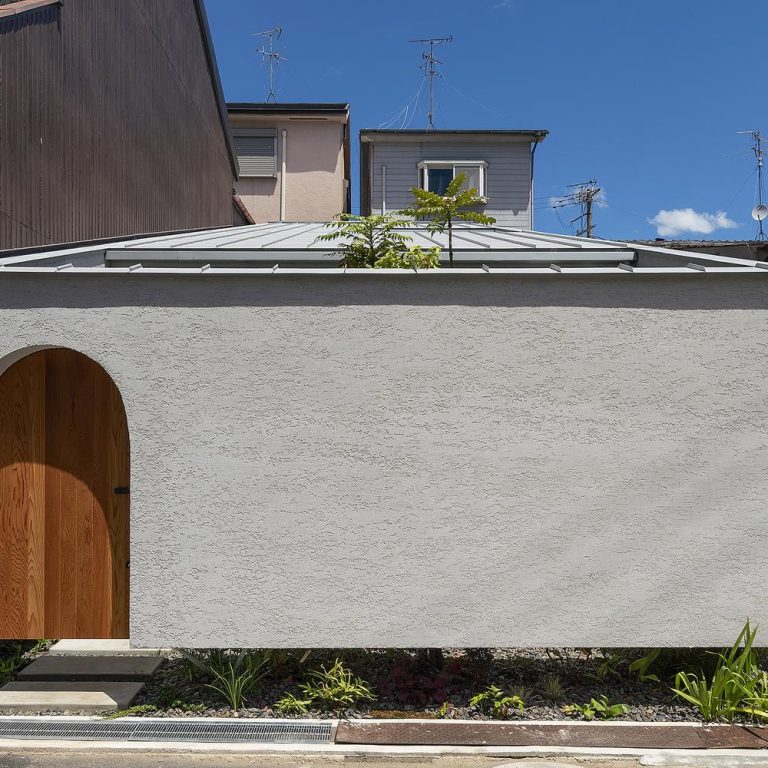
{"x":411,"y":461}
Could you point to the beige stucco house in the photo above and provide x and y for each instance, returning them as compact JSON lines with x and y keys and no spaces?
{"x":294,"y":160}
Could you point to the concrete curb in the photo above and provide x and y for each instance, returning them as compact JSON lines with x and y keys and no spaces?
{"x":650,"y":756}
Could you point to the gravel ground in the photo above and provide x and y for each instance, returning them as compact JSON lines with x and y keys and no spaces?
{"x":407,"y":686}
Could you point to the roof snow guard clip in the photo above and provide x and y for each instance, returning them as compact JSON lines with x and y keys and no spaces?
{"x":485,"y":268}
{"x":134,"y":267}
{"x":275,"y":268}
{"x":697,"y":267}
{"x":205,"y":267}
{"x":62,"y":267}
{"x":761,"y":264}
{"x":626,"y":267}
{"x":555,"y":267}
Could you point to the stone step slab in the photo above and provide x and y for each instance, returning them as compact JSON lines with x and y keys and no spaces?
{"x":99,"y":648}
{"x":33,"y":696}
{"x":91,"y":668}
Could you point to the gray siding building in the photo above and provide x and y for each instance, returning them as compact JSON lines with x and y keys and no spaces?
{"x":499,"y":164}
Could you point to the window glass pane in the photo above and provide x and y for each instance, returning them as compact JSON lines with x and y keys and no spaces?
{"x":439,"y":179}
{"x":472,"y":172}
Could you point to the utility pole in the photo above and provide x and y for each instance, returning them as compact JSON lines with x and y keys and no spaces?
{"x":431,"y":72}
{"x":271,"y":57}
{"x":584,"y":195}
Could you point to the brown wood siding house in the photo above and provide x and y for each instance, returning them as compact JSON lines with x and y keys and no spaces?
{"x":112,"y":122}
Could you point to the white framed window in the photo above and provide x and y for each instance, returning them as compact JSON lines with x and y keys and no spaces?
{"x":436,"y":175}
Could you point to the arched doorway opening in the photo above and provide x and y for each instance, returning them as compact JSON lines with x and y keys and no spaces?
{"x":64,"y":511}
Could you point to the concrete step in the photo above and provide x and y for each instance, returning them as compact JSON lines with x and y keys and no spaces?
{"x":32,"y":696}
{"x":91,"y":668}
{"x":99,"y":648}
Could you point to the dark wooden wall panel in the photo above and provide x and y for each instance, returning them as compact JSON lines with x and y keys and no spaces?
{"x":109,"y":124}
{"x":64,"y":533}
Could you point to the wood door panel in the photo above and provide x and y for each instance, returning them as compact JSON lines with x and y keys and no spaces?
{"x":22,"y":479}
{"x":64,"y":533}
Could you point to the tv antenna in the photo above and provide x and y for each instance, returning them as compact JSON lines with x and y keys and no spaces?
{"x":584,"y":195}
{"x":431,"y":71}
{"x":760,"y":211}
{"x":271,"y":57}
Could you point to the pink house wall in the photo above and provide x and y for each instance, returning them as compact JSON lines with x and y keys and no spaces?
{"x":315,"y":188}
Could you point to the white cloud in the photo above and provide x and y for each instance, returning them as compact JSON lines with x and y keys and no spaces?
{"x":679,"y":220}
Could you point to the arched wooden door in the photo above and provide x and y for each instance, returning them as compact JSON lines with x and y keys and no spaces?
{"x":64,"y":473}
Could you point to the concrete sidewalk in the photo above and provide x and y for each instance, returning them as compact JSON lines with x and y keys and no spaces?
{"x":91,"y":759}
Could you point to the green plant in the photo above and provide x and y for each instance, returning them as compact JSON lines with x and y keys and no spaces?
{"x":366,"y":239}
{"x":336,"y":689}
{"x":523,"y":692}
{"x":284,"y":663}
{"x":139,"y":709}
{"x":445,"y":711}
{"x":11,"y":663}
{"x":609,"y":666}
{"x":755,"y":696}
{"x":292,"y":705}
{"x":552,"y":689}
{"x":232,"y":676}
{"x":641,"y":666}
{"x":237,"y":680}
{"x":493,"y":702}
{"x":414,"y":258}
{"x":479,"y":664}
{"x":597,"y":708}
{"x":722,"y":695}
{"x":40,"y":646}
{"x":167,"y":697}
{"x":716,"y":698}
{"x":442,"y":210}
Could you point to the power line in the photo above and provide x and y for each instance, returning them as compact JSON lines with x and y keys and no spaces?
{"x":470,"y":99}
{"x":584,"y":196}
{"x":271,"y":57}
{"x":406,"y":108}
{"x":429,"y":67}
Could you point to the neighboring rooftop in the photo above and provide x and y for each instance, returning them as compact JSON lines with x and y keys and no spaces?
{"x":293,"y":108}
{"x":293,"y":247}
{"x":395,"y":134}
{"x":742,"y":249}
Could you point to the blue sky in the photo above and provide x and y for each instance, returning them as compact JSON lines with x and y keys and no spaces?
{"x":646,"y":96}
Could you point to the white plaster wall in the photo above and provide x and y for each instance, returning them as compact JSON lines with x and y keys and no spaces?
{"x":413,"y":461}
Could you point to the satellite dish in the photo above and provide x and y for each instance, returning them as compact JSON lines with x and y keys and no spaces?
{"x":760,"y":212}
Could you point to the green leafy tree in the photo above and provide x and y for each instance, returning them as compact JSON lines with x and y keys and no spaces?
{"x":366,"y":239}
{"x":442,"y":210}
{"x":414,"y":257}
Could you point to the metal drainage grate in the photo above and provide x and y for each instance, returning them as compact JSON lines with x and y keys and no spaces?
{"x":153,"y":730}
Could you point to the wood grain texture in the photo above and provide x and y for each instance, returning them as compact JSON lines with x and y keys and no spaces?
{"x":110,"y":123}
{"x":64,"y":533}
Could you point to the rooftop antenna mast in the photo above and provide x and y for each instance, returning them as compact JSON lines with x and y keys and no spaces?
{"x":271,"y":57}
{"x":431,"y":72}
{"x":760,"y":211}
{"x":584,"y":196}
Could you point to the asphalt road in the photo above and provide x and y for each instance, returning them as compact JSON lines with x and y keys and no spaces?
{"x":117,"y":759}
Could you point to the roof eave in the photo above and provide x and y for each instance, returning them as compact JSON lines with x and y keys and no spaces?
{"x":213,"y":68}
